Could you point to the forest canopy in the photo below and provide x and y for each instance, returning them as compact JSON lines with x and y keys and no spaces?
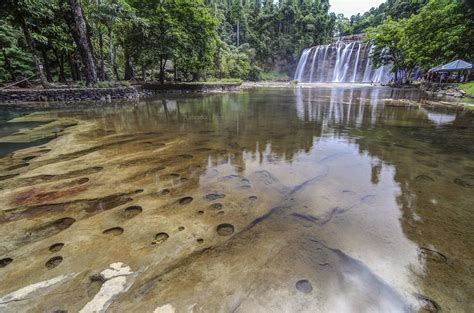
{"x":101,"y":40}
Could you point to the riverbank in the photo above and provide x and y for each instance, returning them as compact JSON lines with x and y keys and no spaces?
{"x":452,"y":90}
{"x":8,"y":96}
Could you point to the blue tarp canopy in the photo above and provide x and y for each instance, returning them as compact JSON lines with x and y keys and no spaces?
{"x":458,"y":65}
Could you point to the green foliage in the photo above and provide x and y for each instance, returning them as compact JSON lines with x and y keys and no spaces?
{"x":468,"y":88}
{"x":15,"y":62}
{"x":441,"y":32}
{"x":80,"y":84}
{"x":394,"y":9}
{"x":387,"y":41}
{"x":275,"y":32}
{"x":294,"y":83}
{"x":104,"y":84}
{"x":274,"y":76}
{"x":222,"y":81}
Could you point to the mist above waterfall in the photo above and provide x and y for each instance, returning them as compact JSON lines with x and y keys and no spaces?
{"x":340,"y":62}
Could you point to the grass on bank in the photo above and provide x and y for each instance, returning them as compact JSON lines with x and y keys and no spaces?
{"x":468,"y":88}
{"x":219,"y":81}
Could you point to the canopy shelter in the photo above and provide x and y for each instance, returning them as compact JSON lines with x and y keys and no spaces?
{"x":455,"y":66}
{"x":458,"y":71}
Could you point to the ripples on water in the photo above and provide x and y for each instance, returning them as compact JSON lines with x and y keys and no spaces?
{"x":289,"y":200}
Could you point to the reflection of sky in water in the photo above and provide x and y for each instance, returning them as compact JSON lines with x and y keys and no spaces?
{"x":369,"y":231}
{"x":440,"y":118}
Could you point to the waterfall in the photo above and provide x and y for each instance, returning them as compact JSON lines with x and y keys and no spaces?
{"x":301,"y":64}
{"x":356,"y":64}
{"x":340,"y":62}
{"x":312,"y":65}
{"x":368,"y":67}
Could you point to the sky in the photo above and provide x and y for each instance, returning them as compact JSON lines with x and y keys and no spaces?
{"x":352,"y":7}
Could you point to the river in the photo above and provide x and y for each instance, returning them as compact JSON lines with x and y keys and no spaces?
{"x":338,"y":199}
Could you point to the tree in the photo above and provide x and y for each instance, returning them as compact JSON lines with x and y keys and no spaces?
{"x":442,"y":32}
{"x":24,"y":14}
{"x":17,"y":62}
{"x":79,"y":31}
{"x":387,"y":41}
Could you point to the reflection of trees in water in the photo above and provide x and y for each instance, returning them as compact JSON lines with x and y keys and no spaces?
{"x":290,"y":121}
{"x":427,"y":159}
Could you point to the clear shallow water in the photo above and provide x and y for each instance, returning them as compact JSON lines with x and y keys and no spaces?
{"x":330,"y":200}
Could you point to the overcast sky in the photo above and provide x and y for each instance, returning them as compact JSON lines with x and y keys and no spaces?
{"x":352,"y":7}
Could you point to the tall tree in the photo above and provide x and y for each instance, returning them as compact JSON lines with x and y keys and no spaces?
{"x":79,"y":31}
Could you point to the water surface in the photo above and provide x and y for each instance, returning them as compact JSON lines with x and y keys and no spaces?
{"x":278,"y":200}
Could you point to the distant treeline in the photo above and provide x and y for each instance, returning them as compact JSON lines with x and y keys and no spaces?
{"x":102,"y":40}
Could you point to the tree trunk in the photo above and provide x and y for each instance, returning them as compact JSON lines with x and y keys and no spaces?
{"x":112,"y":55}
{"x":36,"y":59}
{"x":238,"y":33}
{"x":162,"y":70}
{"x":101,"y":48}
{"x":129,"y":72}
{"x":47,"y":68}
{"x":78,"y":28}
{"x":60,"y":58}
{"x":75,"y":71}
{"x":8,"y":66}
{"x":143,"y":72}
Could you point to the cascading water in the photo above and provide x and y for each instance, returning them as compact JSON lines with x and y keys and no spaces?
{"x":340,"y":62}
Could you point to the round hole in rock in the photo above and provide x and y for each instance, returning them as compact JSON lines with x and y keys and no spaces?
{"x":253,"y":198}
{"x":185,"y":200}
{"x":56,"y":247}
{"x":29,"y":158}
{"x":164,"y":192}
{"x":216,"y":206}
{"x":181,"y":228}
{"x":200,"y":240}
{"x":83,"y":180}
{"x":424,"y":178}
{"x":200,"y":212}
{"x":214,"y":196}
{"x":64,"y":223}
{"x":4,"y":262}
{"x":225,"y":229}
{"x":132,"y":211}
{"x":160,"y":238}
{"x":53,"y":262}
{"x":115,"y":231}
{"x":304,"y":286}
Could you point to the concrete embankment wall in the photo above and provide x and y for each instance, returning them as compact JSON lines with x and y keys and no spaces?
{"x":106,"y":94}
{"x":73,"y":94}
